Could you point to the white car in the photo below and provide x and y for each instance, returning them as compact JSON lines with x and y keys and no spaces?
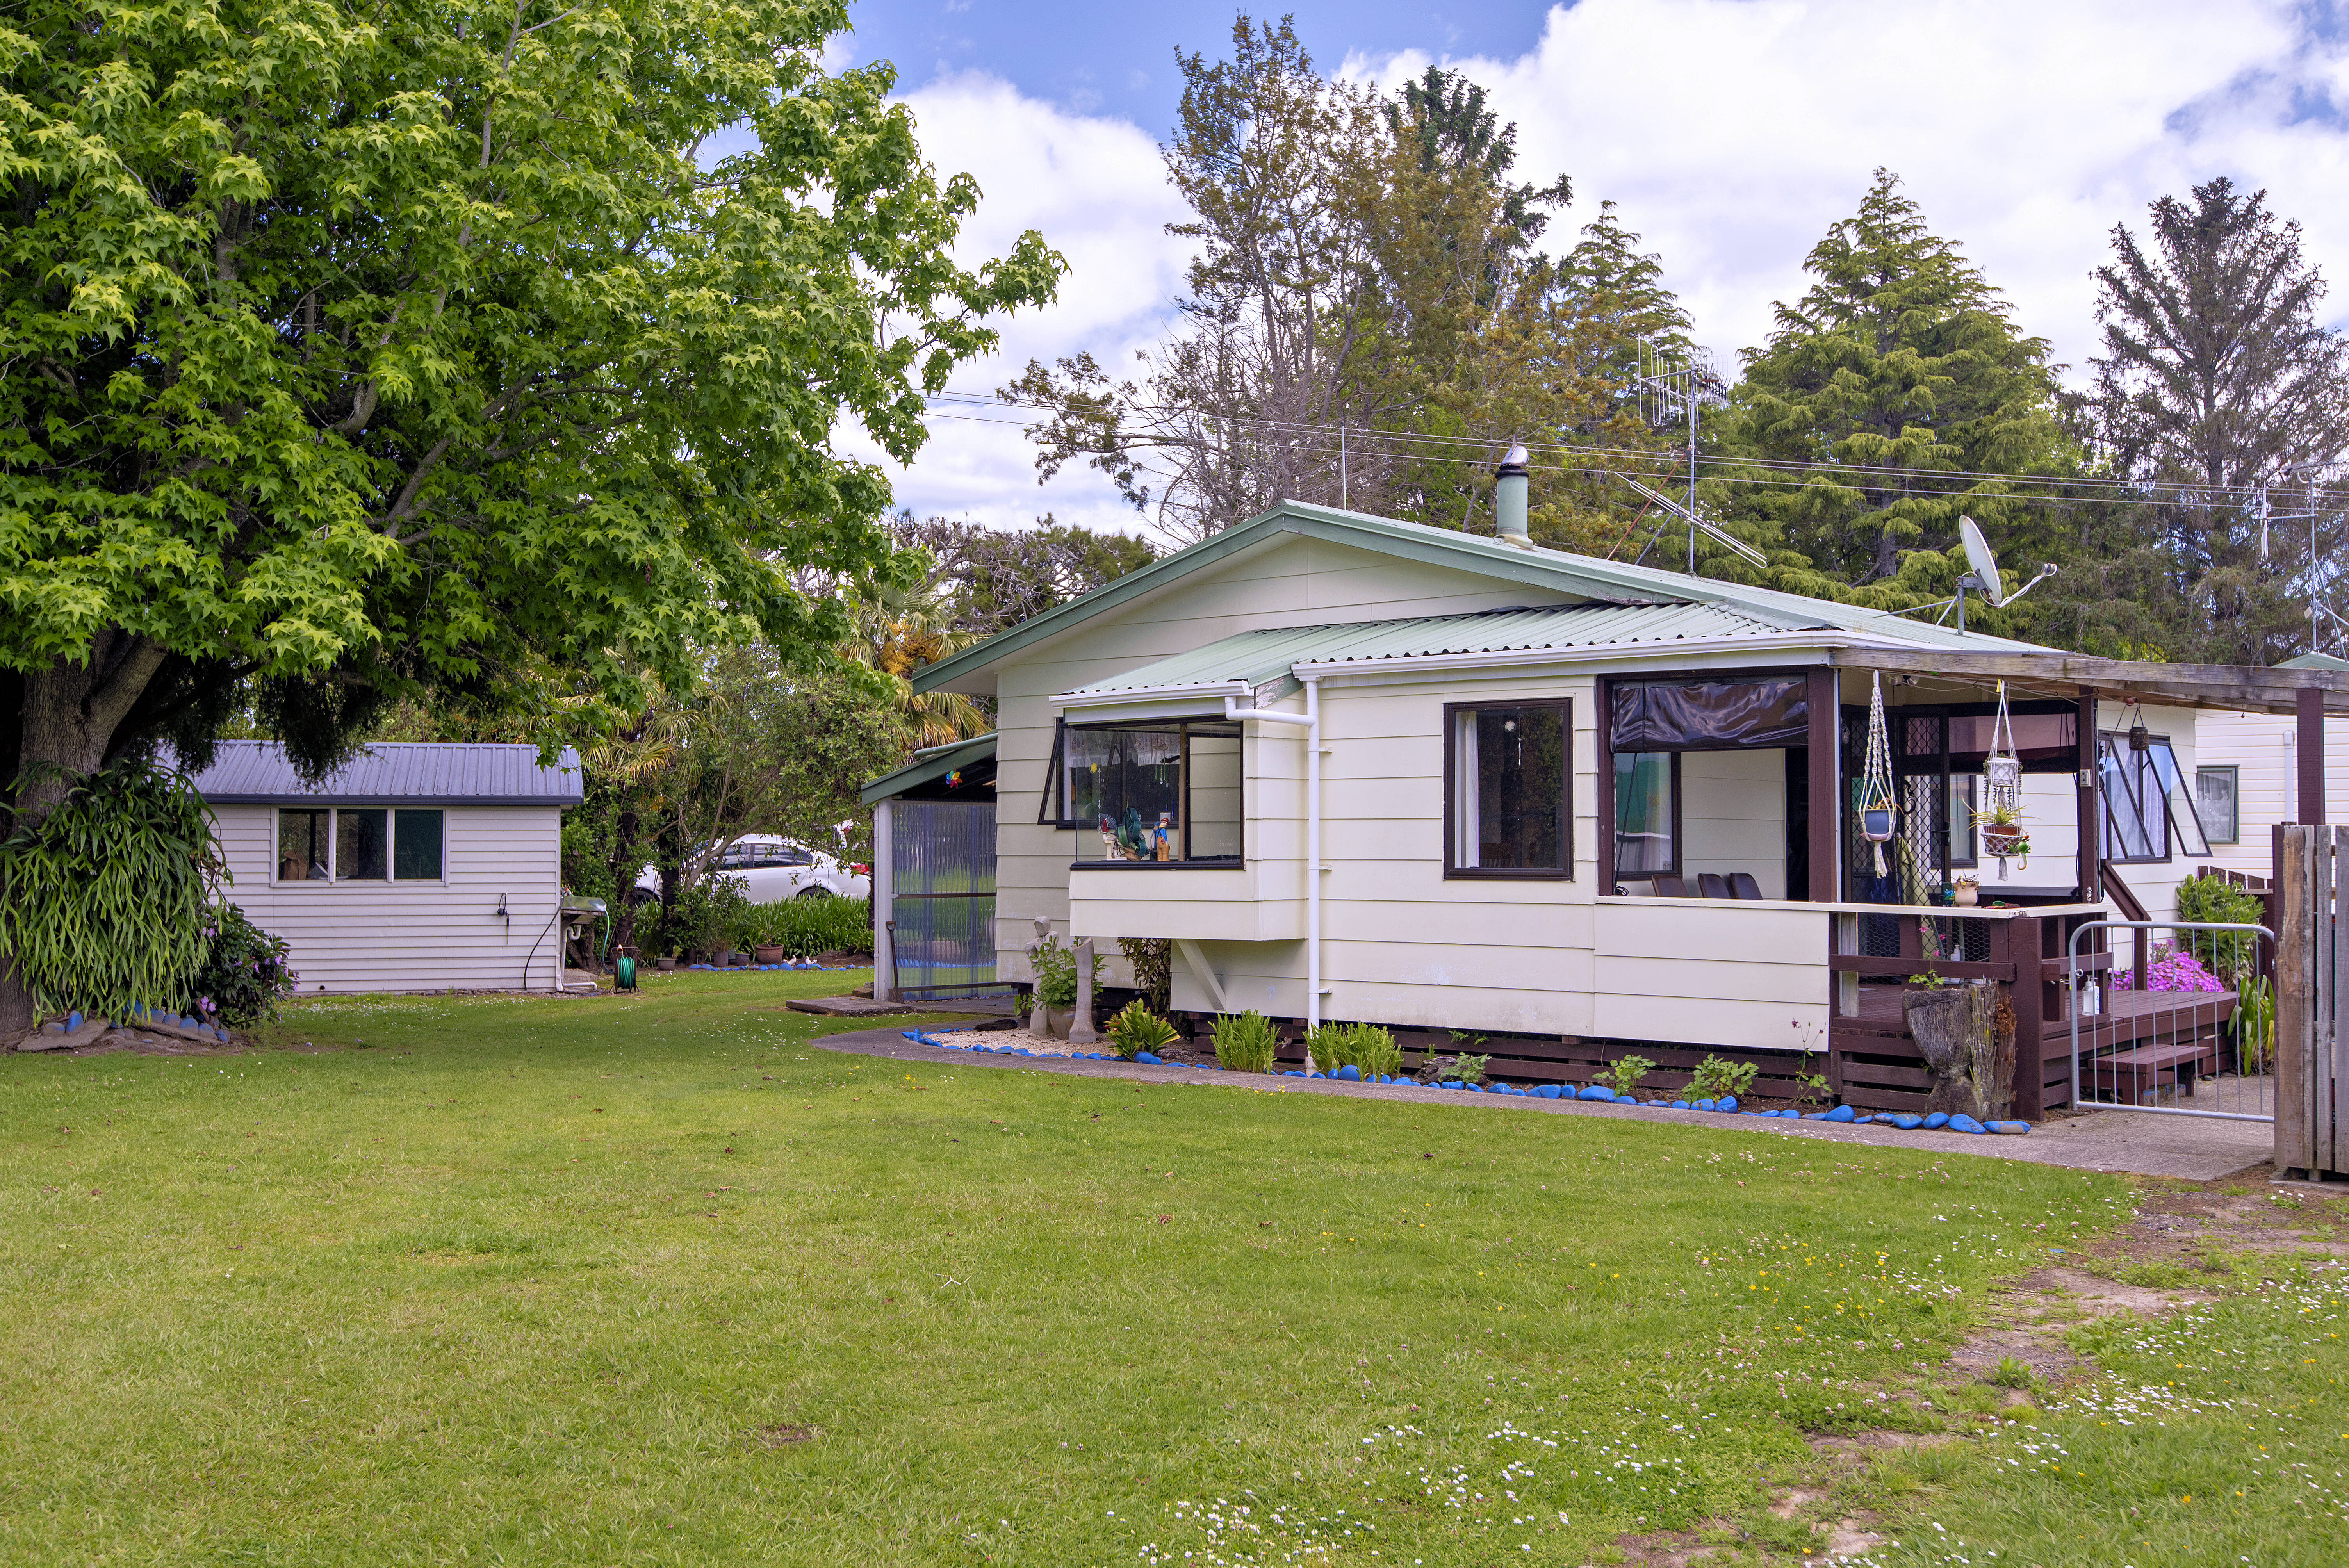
{"x":773,"y":869}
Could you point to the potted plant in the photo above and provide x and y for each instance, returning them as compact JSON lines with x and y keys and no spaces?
{"x":2002,"y":830}
{"x":1965,"y":892}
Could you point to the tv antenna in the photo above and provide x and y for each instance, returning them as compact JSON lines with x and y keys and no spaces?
{"x":1674,"y":385}
{"x":1697,"y":525}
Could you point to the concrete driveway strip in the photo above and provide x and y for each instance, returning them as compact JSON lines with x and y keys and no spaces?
{"x":2191,"y":1148}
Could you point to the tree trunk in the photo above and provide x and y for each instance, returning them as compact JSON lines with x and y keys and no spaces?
{"x":72,"y":707}
{"x":623,"y":881}
{"x":1957,"y":1031}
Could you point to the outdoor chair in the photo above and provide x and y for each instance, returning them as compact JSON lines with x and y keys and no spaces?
{"x":1712,"y":884}
{"x":1671,"y":887}
{"x":1741,"y":884}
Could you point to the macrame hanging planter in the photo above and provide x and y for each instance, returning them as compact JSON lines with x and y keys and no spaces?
{"x":2002,"y":830}
{"x":1879,"y":814}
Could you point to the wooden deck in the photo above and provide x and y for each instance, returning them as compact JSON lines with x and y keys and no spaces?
{"x":1876,"y":1065}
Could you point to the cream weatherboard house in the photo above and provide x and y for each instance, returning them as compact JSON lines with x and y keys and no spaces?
{"x":1553,"y":798}
{"x":415,"y":867}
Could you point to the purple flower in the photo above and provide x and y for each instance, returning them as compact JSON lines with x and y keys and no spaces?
{"x":203,"y":1003}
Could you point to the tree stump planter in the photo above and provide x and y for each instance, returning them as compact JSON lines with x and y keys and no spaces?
{"x":1957,"y":1030}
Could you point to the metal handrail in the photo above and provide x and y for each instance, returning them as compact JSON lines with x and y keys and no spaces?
{"x":2073,"y":971}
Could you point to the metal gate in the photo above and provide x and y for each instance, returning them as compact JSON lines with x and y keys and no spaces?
{"x":942,"y":902}
{"x":2311,"y":884}
{"x":2181,"y":1023}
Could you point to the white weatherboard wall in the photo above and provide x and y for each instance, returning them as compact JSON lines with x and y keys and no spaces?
{"x":2264,"y":750}
{"x":1733,"y":816}
{"x":1299,"y":582}
{"x":411,"y":935}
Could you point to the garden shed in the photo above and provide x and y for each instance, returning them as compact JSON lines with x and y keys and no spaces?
{"x":414,"y":867}
{"x":934,"y":869}
{"x":1355,"y":769}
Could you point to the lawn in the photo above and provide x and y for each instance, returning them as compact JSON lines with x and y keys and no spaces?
{"x":659,"y":1280}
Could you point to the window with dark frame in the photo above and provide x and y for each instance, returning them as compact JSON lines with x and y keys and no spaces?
{"x":1510,"y":810}
{"x":2146,"y":808}
{"x":1156,"y":792}
{"x":1647,"y":814}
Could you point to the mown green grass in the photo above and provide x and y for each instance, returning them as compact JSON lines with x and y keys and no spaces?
{"x":500,"y":1280}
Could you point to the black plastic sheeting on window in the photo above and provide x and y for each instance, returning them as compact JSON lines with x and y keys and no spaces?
{"x":1708,"y":715}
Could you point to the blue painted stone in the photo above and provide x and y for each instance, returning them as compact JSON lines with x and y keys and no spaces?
{"x":1939,"y":1119}
{"x":1149,"y":1058}
{"x":1906,"y":1123}
{"x":1680,"y":1105}
{"x":1966,"y":1124}
{"x":1451,"y":1083}
{"x":1842,"y":1113}
{"x":1547,"y":1091}
{"x":2009,"y":1127}
{"x":1596,"y":1091}
{"x":1726,"y":1102}
{"x":1351,"y":1073}
{"x":73,"y":1022}
{"x":1700,"y":1105}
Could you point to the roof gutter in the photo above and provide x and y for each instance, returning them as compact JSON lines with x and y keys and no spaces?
{"x":1605,"y":652}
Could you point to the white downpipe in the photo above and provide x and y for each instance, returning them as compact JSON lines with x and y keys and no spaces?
{"x":1309,"y":721}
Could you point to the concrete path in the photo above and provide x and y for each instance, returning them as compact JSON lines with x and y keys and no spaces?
{"x":2192,"y":1148}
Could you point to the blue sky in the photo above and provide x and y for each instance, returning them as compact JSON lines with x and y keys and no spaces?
{"x":1119,"y":59}
{"x":1730,"y":133}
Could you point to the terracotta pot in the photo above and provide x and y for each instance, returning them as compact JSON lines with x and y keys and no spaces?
{"x":664,"y":963}
{"x":770,"y":954}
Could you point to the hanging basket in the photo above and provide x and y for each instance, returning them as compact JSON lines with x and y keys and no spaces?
{"x":2004,"y":841}
{"x":1876,"y":823}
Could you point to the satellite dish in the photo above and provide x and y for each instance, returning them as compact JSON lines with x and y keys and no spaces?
{"x":1984,"y":563}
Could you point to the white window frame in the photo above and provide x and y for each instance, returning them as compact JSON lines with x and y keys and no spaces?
{"x":392,"y":812}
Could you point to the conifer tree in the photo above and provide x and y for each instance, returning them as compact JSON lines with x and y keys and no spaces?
{"x":1902,"y":368}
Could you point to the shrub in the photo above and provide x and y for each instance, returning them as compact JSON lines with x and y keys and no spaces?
{"x":244,"y":973}
{"x":1330,"y":1048}
{"x":1152,"y":958}
{"x":2214,"y":901}
{"x":704,"y":915}
{"x":1717,"y":1079}
{"x":806,"y":927}
{"x":1245,"y":1043}
{"x":1469,"y":1067}
{"x":1626,"y":1074}
{"x":1375,"y":1052}
{"x":1055,"y":973}
{"x":1137,"y":1028}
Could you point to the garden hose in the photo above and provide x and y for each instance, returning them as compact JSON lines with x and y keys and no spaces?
{"x":624,"y":973}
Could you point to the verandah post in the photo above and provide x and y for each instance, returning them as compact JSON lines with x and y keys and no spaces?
{"x":2295,"y":997}
{"x":2029,"y":997}
{"x":1823,"y":703}
{"x":2089,"y":819}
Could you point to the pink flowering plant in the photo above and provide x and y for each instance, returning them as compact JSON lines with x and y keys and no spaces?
{"x":246,"y":972}
{"x":2172,"y":972}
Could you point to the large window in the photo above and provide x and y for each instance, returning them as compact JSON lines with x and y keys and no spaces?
{"x":1647,"y":814}
{"x":2146,"y":805}
{"x":1167,"y":792}
{"x":1510,"y":807}
{"x":2217,"y":801}
{"x":358,"y":844}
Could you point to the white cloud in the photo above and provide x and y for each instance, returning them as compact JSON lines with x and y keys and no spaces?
{"x":1096,"y":191}
{"x":1733,"y":132}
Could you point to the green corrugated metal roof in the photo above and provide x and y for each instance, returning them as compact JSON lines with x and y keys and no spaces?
{"x":935,"y":763}
{"x":1580,"y":576}
{"x":1259,"y":656}
{"x":2314,"y":661}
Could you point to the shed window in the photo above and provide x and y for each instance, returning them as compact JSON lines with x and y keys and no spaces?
{"x":2216,"y":801}
{"x":1647,"y":814}
{"x":1511,"y":807}
{"x":1167,"y":791}
{"x":416,"y":846}
{"x":305,"y":846}
{"x":361,"y":844}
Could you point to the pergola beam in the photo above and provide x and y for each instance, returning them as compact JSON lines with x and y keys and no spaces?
{"x":2243,"y":688}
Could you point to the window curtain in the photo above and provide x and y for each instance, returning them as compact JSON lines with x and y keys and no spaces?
{"x":1467,"y":775}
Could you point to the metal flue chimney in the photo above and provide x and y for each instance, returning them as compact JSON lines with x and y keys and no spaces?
{"x":1510,"y":486}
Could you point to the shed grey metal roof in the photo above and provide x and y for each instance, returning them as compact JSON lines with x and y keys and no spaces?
{"x":1259,"y":656}
{"x":405,"y":772}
